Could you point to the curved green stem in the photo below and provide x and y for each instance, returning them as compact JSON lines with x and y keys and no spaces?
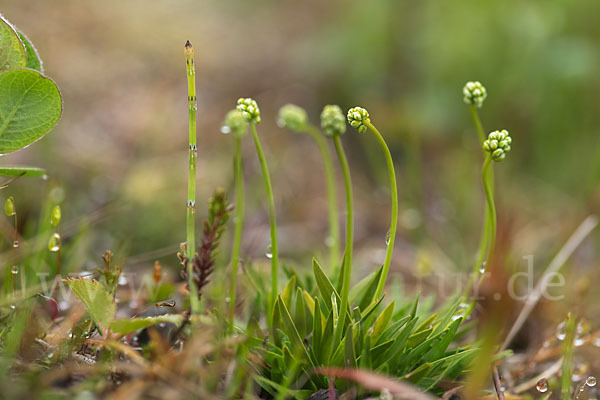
{"x":347,"y":267}
{"x":477,"y":122}
{"x":192,"y":156}
{"x":489,"y":197}
{"x":334,"y":225}
{"x":484,"y":241}
{"x":272,"y":220}
{"x":239,"y":223}
{"x":394,"y":218}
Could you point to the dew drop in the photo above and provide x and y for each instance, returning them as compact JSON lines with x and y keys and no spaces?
{"x":16,"y":244}
{"x":460,"y":312}
{"x":542,"y":385}
{"x":225,"y":130}
{"x":591,"y":381}
{"x":15,"y":270}
{"x":580,"y":371}
{"x":63,"y":305}
{"x":482,"y":268}
{"x":50,"y":355}
{"x":329,"y":241}
{"x":122,"y":281}
{"x":12,"y":306}
{"x":227,"y":299}
{"x":388,"y":237}
{"x":582,"y":330}
{"x":269,"y":251}
{"x":54,"y":242}
{"x":162,"y":325}
{"x":560,"y":331}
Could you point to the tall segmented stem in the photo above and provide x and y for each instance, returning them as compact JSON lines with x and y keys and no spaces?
{"x":193,"y":154}
{"x":272,"y":219}
{"x":334,"y":225}
{"x":347,"y":267}
{"x":239,"y":222}
{"x":394,"y":217}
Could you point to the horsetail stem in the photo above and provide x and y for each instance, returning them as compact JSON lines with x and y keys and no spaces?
{"x":359,"y":118}
{"x":193,"y":154}
{"x":249,"y":108}
{"x":238,"y":126}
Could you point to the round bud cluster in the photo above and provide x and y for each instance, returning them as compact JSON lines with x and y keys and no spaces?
{"x":236,"y":122}
{"x":292,"y":117}
{"x":249,"y":108}
{"x":357,"y":116}
{"x":474,"y":93}
{"x":333,"y":122}
{"x":498,"y":144}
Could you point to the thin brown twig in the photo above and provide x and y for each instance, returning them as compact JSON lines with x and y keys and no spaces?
{"x":582,"y":231}
{"x":497,"y":383}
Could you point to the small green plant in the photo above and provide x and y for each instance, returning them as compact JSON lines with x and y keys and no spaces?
{"x":359,"y":118}
{"x":249,"y":108}
{"x":190,"y":244}
{"x":295,"y":119}
{"x":237,"y":124}
{"x":334,"y":125}
{"x":30,"y":102}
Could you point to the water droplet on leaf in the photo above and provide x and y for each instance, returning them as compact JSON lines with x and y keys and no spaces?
{"x":54,"y":242}
{"x":542,"y":385}
{"x":269,"y":251}
{"x":482,"y":268}
{"x":14,"y":269}
{"x":388,"y":237}
{"x":225,"y":130}
{"x":591,"y":381}
{"x":122,"y":280}
{"x":560,"y":331}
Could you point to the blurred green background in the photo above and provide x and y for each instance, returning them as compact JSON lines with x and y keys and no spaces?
{"x":120,"y":150}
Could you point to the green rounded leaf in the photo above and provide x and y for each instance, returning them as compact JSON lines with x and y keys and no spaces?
{"x":12,"y":51}
{"x":26,"y":172}
{"x":30,"y":105}
{"x":33,"y":58}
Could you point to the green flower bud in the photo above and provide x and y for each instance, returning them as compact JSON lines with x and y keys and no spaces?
{"x":357,"y":116}
{"x":249,"y":108}
{"x":498,"y":144}
{"x":9,"y":207}
{"x":236,"y":123}
{"x":55,"y":216}
{"x":333,"y":122}
{"x":292,"y":117}
{"x":474,"y":93}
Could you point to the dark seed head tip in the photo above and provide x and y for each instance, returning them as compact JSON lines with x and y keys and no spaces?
{"x":188,"y":44}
